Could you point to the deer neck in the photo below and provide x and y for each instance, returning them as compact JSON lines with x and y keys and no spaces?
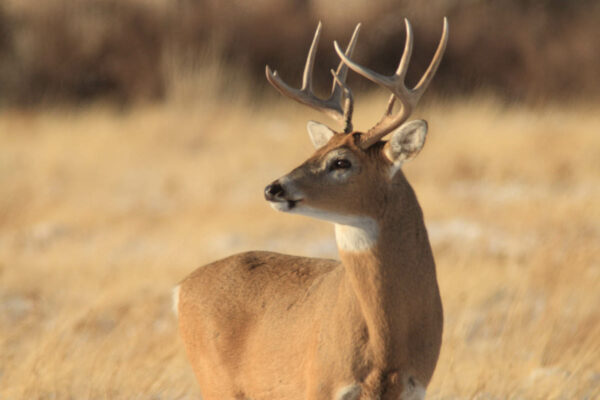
{"x":388,"y":266}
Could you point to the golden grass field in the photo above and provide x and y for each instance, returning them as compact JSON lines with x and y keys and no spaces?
{"x":103,"y":211}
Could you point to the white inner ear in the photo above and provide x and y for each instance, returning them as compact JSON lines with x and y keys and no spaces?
{"x":406,"y":141}
{"x":319,"y":133}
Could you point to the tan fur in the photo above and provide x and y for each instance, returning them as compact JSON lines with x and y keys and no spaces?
{"x":263,"y":325}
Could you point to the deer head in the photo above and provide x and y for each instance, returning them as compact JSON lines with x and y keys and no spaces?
{"x":347,"y":179}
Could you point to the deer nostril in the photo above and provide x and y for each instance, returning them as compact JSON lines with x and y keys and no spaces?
{"x":273,"y":191}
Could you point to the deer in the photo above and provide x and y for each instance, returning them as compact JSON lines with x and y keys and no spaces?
{"x":265,"y":325}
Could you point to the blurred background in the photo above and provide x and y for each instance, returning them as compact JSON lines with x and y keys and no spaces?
{"x":74,"y":51}
{"x":136,"y":137}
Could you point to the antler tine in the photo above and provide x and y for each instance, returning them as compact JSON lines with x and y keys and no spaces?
{"x":364,"y":71}
{"x":407,"y":53}
{"x":395,"y":83}
{"x":331,"y":106}
{"x":349,"y":103}
{"x":342,"y":70}
{"x":435,"y":62}
{"x":310,"y":61}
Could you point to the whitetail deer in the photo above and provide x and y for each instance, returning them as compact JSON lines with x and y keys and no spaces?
{"x":262,"y":325}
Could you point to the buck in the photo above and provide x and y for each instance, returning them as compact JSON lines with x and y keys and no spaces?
{"x":263,"y":325}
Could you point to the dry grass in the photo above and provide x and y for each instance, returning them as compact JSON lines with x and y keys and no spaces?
{"x":102,"y":212}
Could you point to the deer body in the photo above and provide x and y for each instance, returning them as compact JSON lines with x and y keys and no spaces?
{"x":262,"y":325}
{"x":306,"y":328}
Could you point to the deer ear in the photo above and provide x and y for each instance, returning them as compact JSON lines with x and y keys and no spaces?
{"x":319,"y":133}
{"x":406,"y":141}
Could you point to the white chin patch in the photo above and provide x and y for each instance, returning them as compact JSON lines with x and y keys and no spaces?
{"x":280,"y":205}
{"x":285,"y":206}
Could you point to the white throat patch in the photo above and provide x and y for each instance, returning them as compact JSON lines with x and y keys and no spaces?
{"x":357,"y":237}
{"x":352,"y":232}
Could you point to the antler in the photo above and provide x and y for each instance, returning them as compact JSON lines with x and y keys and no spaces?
{"x":339,"y":91}
{"x":408,"y":97}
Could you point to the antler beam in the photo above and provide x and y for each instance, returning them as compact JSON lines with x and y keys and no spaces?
{"x":339,"y":105}
{"x":408,"y":97}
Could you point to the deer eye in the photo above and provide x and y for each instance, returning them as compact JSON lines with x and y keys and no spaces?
{"x":340,"y":163}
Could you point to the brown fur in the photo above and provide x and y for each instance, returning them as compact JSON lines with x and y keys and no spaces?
{"x":263,"y":325}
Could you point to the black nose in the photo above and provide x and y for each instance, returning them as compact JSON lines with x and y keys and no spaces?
{"x":274,"y":191}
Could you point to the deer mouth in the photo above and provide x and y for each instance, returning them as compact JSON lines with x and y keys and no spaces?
{"x":284,"y":204}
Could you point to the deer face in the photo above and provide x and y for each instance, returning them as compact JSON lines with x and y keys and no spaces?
{"x":341,"y":182}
